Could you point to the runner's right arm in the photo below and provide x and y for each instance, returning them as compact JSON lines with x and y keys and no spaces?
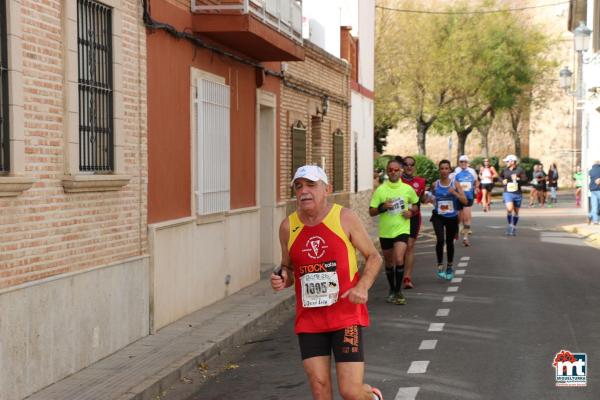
{"x":286,"y":279}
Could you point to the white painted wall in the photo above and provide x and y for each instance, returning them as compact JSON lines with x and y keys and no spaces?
{"x":590,"y":141}
{"x":366,"y":34}
{"x":191,"y":262}
{"x":362,"y":130}
{"x":53,"y":328}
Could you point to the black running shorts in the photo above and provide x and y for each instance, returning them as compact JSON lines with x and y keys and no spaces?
{"x":346,"y":344}
{"x":388,"y":243}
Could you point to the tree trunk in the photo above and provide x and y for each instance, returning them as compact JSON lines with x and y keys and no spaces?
{"x":462,"y":141}
{"x":517,"y":140}
{"x":484,"y":130}
{"x":422,"y":128}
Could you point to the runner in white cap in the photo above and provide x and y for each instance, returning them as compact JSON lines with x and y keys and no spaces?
{"x":512,"y":178}
{"x":467,"y":178}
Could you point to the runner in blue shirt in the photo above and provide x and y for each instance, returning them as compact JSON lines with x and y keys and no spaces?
{"x":467,"y":178}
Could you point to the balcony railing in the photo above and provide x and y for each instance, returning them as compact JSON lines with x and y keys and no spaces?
{"x":285,"y":16}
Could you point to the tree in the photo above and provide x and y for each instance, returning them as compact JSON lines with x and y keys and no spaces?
{"x":410,"y":70}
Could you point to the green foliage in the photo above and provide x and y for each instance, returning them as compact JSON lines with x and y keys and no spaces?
{"x":527,"y":164}
{"x":380,"y":163}
{"x":382,"y":128}
{"x":426,"y":169}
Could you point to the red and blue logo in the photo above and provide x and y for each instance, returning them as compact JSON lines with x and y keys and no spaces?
{"x":571,"y":368}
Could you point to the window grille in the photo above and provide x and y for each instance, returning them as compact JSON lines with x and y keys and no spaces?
{"x":298,"y":146}
{"x":213,"y":148}
{"x":4,"y":127}
{"x":94,"y":52}
{"x":338,"y":161}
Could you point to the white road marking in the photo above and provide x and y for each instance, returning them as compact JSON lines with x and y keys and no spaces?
{"x":448,"y":299}
{"x":407,"y":393}
{"x":436,"y":327}
{"x":418,"y":367}
{"x":459,"y":272}
{"x":462,"y":264}
{"x":465,"y":258}
{"x":457,"y":280}
{"x":452,"y":289}
{"x":442,"y":312}
{"x":428,"y":345}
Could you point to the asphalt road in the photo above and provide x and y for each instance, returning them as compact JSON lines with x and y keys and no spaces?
{"x":491,"y":335}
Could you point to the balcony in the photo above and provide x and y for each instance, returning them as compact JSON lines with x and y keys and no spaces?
{"x":266,"y":30}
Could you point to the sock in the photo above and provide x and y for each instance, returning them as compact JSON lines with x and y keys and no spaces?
{"x":449,"y":266}
{"x":399,"y":278}
{"x":509,"y":218}
{"x":515,"y":220}
{"x":389,"y":272}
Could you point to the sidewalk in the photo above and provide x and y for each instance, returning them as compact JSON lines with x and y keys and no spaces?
{"x":142,"y":370}
{"x":591,"y":233}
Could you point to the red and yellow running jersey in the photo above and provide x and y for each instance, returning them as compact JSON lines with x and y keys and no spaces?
{"x":325,"y":267}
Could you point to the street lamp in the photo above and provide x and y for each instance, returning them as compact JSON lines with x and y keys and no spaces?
{"x":564,"y":81}
{"x":581,"y":37}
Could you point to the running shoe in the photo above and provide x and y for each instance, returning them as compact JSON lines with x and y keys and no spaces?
{"x":391,"y":298}
{"x":399,"y":299}
{"x":377,"y":394}
{"x":466,"y":242}
{"x":513,"y":231}
{"x":508,"y":231}
{"x":408,"y":284}
{"x":441,"y":273}
{"x":449,"y":273}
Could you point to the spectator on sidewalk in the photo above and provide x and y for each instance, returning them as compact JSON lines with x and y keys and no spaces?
{"x":552,"y":183}
{"x":318,"y":255}
{"x":594,"y":192}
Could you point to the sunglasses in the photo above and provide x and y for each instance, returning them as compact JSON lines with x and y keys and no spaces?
{"x":409,"y":165}
{"x":393,"y":170}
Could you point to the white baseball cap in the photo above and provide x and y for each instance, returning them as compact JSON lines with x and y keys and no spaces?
{"x":510,"y":157}
{"x":463,"y":158}
{"x":311,"y":172}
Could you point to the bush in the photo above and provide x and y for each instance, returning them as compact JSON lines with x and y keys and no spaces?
{"x":426,"y":169}
{"x":527,"y":164}
{"x":380,"y":163}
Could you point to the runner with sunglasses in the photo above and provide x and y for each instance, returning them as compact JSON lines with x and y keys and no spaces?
{"x":395,"y":202}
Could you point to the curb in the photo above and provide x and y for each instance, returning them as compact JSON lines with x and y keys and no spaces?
{"x":592,"y":238}
{"x":171,"y":375}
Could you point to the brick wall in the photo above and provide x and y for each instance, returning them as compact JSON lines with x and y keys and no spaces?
{"x":44,"y":231}
{"x":320,"y":73}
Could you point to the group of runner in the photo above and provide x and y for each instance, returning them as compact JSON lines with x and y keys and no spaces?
{"x":318,"y":257}
{"x":398,"y":199}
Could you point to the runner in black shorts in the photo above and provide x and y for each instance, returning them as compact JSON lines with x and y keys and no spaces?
{"x":419,"y":185}
{"x":346,"y":344}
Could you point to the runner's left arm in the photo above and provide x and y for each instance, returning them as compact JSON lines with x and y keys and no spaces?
{"x":360,"y":239}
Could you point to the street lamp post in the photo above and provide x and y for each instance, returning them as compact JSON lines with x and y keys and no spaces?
{"x":581,"y":42}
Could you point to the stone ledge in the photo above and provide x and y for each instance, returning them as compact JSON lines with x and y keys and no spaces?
{"x":11,"y":186}
{"x":94,"y":183}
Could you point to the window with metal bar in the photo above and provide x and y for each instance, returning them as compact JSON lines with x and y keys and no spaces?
{"x":4,"y":126}
{"x":338,"y":161}
{"x":94,"y":51}
{"x":298,"y":146}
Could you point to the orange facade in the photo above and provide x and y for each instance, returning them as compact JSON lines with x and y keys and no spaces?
{"x":170,"y":162}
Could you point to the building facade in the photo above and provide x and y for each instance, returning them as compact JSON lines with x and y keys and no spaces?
{"x":213,"y":106}
{"x":74,"y":266}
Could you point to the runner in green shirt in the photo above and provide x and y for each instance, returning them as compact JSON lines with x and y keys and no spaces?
{"x":579,"y":178}
{"x":395,"y":202}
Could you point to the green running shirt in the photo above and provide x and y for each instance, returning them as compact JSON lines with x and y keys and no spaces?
{"x":392,"y":223}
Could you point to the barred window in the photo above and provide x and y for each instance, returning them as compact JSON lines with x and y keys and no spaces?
{"x":338,"y":161}
{"x":298,"y":146}
{"x":94,"y":41}
{"x":4,"y":127}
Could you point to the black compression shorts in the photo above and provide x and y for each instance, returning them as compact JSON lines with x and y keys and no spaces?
{"x":346,"y":344}
{"x":388,"y":243}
